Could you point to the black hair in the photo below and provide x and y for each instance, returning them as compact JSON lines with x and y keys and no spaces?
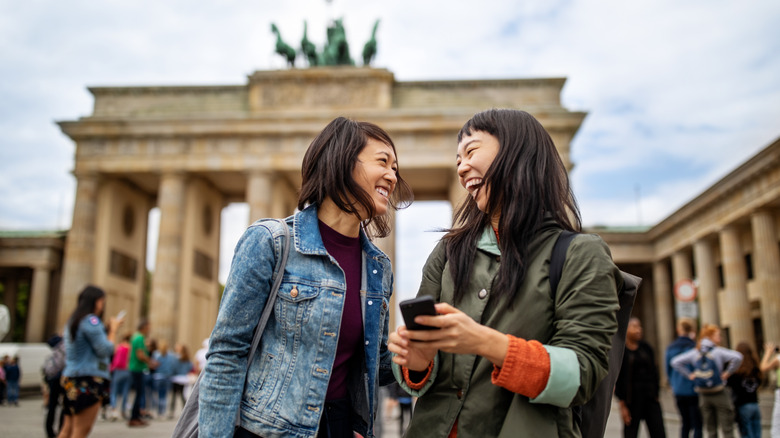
{"x":85,"y":305}
{"x":527,"y":183}
{"x":327,"y":169}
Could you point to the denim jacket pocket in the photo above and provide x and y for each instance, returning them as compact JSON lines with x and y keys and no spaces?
{"x":294,"y":306}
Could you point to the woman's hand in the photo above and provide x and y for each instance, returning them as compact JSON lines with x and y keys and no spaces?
{"x":415,"y":358}
{"x":459,"y":333}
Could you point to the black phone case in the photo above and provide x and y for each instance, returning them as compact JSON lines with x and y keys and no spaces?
{"x":417,"y":306}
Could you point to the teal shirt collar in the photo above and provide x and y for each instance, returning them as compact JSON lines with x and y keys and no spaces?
{"x":488,"y":242}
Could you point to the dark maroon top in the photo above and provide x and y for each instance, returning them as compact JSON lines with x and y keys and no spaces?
{"x":348,"y":254}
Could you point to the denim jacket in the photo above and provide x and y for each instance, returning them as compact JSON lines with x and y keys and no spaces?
{"x":90,"y":353}
{"x":286,"y":383}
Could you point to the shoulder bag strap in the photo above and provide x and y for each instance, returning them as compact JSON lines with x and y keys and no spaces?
{"x":269,"y":304}
{"x":558,"y":258}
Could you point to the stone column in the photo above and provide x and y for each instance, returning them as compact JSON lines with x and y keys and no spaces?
{"x":36,"y":313}
{"x":387,"y":245}
{"x":736,"y":307}
{"x":10,"y":289}
{"x":708,"y":285}
{"x":79,"y":247}
{"x":681,"y":266}
{"x":166,"y":282}
{"x":664,"y":308}
{"x":766,"y":265}
{"x":258,"y":195}
{"x":456,"y":194}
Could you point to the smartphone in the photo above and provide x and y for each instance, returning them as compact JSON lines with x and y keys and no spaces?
{"x":121,"y":314}
{"x":423,"y":305}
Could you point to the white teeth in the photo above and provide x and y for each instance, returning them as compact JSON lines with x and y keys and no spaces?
{"x":473,"y":182}
{"x":381,"y":191}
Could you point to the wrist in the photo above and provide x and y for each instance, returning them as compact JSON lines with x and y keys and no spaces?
{"x":495,"y":346}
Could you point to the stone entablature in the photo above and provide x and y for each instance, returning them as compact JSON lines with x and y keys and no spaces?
{"x":753,"y":185}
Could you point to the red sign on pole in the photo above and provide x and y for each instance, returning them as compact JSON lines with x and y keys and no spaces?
{"x":685,"y":290}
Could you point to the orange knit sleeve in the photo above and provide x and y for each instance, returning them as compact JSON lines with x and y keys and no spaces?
{"x":526,"y":368}
{"x":417,"y":385}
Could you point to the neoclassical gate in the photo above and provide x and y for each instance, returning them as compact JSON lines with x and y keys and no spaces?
{"x":192,"y":150}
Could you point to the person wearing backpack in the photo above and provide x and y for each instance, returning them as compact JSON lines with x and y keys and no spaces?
{"x":509,"y":358}
{"x":709,"y":367}
{"x":52,"y":372}
{"x":686,"y":398}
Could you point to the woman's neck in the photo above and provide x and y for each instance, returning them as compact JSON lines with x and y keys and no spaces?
{"x":342,"y":222}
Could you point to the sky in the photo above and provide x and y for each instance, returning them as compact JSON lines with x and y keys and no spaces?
{"x":678,"y":93}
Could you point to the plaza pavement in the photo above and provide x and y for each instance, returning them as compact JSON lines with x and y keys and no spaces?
{"x":27,"y":421}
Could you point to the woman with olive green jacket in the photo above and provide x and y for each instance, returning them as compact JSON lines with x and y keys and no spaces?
{"x":508,"y":359}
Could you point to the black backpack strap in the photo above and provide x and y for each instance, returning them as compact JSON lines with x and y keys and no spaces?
{"x":558,"y":258}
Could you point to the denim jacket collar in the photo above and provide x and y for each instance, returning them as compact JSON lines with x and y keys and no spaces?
{"x":308,"y":240}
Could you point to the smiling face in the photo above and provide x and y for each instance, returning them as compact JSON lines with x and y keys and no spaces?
{"x":375,"y":173}
{"x":476,"y":153}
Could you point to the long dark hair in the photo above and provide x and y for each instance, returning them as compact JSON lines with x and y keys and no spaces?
{"x":527,"y":183}
{"x":749,"y":360}
{"x":85,"y":306}
{"x":327,"y":168}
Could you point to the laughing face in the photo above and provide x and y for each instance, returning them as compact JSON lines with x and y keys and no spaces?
{"x":476,"y":153}
{"x":375,"y":172}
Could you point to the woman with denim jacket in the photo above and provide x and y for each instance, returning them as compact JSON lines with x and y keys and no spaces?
{"x":508,"y":358}
{"x":88,"y":350}
{"x":323,"y":353}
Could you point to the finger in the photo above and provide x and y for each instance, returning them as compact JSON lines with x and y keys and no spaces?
{"x":431,"y":321}
{"x":444,"y":308}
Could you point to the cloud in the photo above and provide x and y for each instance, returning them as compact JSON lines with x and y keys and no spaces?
{"x":677,"y":94}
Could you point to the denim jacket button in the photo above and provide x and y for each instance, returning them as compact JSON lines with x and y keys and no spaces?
{"x":294,"y":292}
{"x":375,"y":271}
{"x":370,"y":303}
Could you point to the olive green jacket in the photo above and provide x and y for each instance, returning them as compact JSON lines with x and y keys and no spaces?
{"x":576,"y":331}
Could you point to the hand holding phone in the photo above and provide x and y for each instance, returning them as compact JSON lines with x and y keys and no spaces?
{"x":423,"y":305}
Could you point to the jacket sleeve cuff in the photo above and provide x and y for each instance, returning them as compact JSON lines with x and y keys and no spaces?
{"x":421,"y":387}
{"x":564,"y":378}
{"x":526,"y":368}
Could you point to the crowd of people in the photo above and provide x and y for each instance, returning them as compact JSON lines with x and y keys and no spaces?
{"x":507,"y":351}
{"x":90,"y":370}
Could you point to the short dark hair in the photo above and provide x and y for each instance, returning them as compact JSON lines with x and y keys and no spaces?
{"x":528,"y":183}
{"x":327,"y":169}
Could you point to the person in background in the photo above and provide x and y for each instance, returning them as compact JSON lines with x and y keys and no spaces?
{"x":120,"y":379}
{"x":744,"y":385}
{"x":685,"y":396}
{"x":13,"y":375}
{"x":181,"y":377}
{"x":508,"y":359}
{"x":771,"y":362}
{"x":53,"y":366}
{"x":200,"y":356}
{"x":139,"y":363}
{"x":166,"y":363}
{"x":149,"y":402}
{"x":2,"y":380}
{"x":638,"y":386}
{"x":716,"y":407}
{"x":88,"y":350}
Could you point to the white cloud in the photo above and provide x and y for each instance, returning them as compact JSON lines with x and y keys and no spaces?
{"x":677,"y":94}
